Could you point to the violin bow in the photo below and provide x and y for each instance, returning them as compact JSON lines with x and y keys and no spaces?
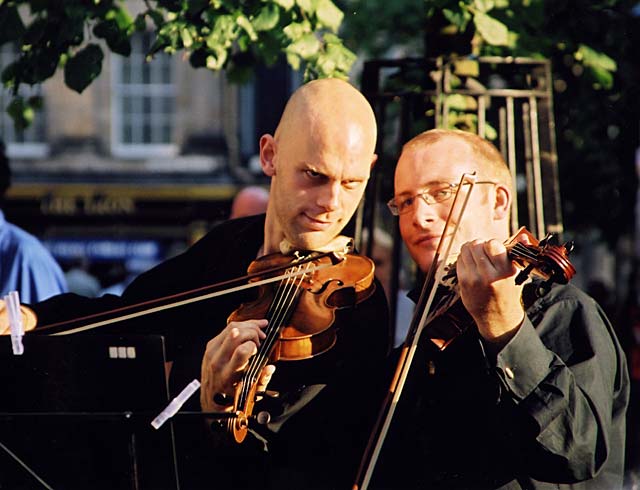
{"x":420,"y":319}
{"x":179,"y":299}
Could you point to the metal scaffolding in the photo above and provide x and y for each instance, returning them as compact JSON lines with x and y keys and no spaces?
{"x":506,"y":100}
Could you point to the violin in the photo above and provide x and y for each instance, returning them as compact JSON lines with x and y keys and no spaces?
{"x":544,"y":259}
{"x":298,"y":294}
{"x":301,"y":310}
{"x":156,"y":305}
{"x":447,"y":320}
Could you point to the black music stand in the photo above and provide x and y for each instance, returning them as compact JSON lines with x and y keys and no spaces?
{"x":75,"y":413}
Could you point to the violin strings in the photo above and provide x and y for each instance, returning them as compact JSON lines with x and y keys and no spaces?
{"x":280,"y":309}
{"x":254,"y":366}
{"x":249,"y":376}
{"x":523,"y":251}
{"x":284,"y":307}
{"x":284,"y":300}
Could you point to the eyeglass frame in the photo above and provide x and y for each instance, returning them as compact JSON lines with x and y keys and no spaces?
{"x":393,"y":207}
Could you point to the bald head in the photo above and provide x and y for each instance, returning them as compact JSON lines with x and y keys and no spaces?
{"x":249,"y":201}
{"x":319,"y":161}
{"x":327,"y":106}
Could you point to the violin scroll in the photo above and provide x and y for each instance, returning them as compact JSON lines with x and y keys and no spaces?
{"x":545,"y":258}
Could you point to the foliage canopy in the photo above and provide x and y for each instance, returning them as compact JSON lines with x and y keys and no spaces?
{"x":216,"y":34}
{"x":592,"y":48}
{"x":591,"y":44}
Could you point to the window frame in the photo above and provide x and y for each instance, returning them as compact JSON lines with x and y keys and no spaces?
{"x":120,"y":89}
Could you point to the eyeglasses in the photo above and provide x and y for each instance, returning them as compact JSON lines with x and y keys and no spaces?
{"x":430,"y":195}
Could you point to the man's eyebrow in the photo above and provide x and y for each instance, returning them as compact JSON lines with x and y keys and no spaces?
{"x":356,"y":178}
{"x":306,"y":166}
{"x":431,"y":183}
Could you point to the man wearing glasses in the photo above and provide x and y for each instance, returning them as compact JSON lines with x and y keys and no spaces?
{"x":534,"y":393}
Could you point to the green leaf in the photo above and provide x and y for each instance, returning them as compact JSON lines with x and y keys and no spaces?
{"x":329,"y":15}
{"x":116,"y":37}
{"x":461,"y":102}
{"x":342,"y":57}
{"x":216,"y":60}
{"x":21,"y":113}
{"x":459,"y":18}
{"x":248,"y":27}
{"x":187,"y":38}
{"x":270,"y":48}
{"x":285,"y":4}
{"x":11,"y":26}
{"x":307,"y":6}
{"x":305,"y":47}
{"x":243,"y":42}
{"x":483,"y":5}
{"x":490,"y":132}
{"x":122,"y":17}
{"x":267,"y":18}
{"x":602,"y":77}
{"x":492,"y":31}
{"x":325,"y":66}
{"x":294,"y":61}
{"x":83,"y":68}
{"x":466,"y":67}
{"x":224,"y":32}
{"x":296,"y":30}
{"x":595,"y":59}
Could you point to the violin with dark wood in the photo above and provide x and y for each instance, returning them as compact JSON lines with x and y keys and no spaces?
{"x":446,"y":319}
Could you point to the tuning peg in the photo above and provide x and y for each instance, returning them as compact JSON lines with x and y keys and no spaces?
{"x":569,"y":246}
{"x":550,"y":239}
{"x":269,"y":393}
{"x":523,"y":275}
{"x":262,"y":418}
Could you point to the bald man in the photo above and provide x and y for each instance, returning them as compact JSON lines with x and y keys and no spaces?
{"x":319,"y":160}
{"x":249,"y":201}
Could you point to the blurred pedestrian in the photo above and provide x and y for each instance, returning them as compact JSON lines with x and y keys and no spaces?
{"x":249,"y":201}
{"x":26,"y":265}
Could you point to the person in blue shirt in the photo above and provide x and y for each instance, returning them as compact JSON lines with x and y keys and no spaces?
{"x":26,"y":265}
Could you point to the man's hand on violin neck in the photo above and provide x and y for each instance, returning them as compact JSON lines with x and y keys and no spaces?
{"x":225,"y":358}
{"x":488,"y":290}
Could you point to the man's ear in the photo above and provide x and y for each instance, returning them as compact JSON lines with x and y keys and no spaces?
{"x":373,"y":161}
{"x":502,"y":204}
{"x":268,"y":154}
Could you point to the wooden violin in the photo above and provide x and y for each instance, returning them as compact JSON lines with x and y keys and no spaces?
{"x":546,"y":259}
{"x":301,"y":314}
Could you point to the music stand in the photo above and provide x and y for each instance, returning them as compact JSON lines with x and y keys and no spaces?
{"x":75,"y":413}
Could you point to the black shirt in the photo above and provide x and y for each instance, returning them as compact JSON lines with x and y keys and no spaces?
{"x":547,"y":412}
{"x":322,"y":418}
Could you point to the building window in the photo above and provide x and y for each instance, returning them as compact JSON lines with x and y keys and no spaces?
{"x":30,"y":143}
{"x":143,"y":103}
